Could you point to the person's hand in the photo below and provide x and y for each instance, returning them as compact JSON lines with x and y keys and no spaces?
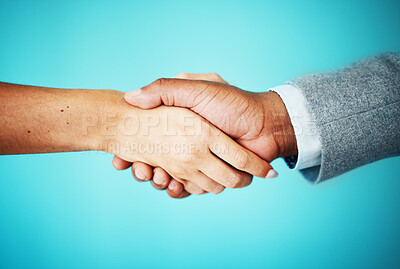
{"x":160,"y":179}
{"x":258,"y":121}
{"x":189,"y":148}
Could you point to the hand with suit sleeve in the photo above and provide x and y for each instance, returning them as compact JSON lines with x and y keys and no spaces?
{"x":257,"y":121}
{"x":356,"y":111}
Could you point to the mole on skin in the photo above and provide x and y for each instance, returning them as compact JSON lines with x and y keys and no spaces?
{"x":29,"y":132}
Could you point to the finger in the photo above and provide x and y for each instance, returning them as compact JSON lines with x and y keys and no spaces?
{"x":192,"y":188}
{"x":184,"y":194}
{"x":142,"y":171}
{"x":160,"y":179}
{"x":120,"y":164}
{"x":225,"y":174}
{"x":202,"y":76}
{"x":240,"y":158}
{"x":175,"y":188}
{"x":206,"y":183}
{"x":177,"y":194}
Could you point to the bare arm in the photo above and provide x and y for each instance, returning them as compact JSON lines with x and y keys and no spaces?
{"x":40,"y":120}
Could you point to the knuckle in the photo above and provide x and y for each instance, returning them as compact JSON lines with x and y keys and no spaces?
{"x":187,"y":158}
{"x":242,"y":159}
{"x":183,"y":75}
{"x":193,"y":189}
{"x":199,"y":192}
{"x":246,"y":180}
{"x":178,"y":171}
{"x":160,"y":82}
{"x":218,"y":189}
{"x":233,"y":181}
{"x":215,"y":76}
{"x":261,"y":170}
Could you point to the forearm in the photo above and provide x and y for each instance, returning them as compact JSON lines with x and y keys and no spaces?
{"x":43,"y":120}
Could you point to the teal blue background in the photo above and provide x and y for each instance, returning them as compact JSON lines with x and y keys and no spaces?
{"x":74,"y":210}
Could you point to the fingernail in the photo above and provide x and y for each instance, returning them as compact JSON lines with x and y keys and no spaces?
{"x":172,"y":186}
{"x":158,"y":180}
{"x":139,"y":174}
{"x":272,"y":174}
{"x":133,"y":94}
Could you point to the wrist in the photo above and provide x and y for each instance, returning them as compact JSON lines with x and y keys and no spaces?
{"x":279,"y":125}
{"x":118,"y":124}
{"x":102,"y":121}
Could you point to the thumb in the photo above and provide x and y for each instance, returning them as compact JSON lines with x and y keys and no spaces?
{"x":143,"y":99}
{"x":166,"y":91}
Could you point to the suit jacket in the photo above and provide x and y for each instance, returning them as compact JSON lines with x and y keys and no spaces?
{"x":357,"y":111}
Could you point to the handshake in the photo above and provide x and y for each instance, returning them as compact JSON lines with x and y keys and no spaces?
{"x":195,"y":134}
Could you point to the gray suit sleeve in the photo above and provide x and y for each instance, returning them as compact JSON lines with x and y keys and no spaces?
{"x":357,"y":111}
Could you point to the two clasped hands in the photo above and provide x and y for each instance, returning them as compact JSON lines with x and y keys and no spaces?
{"x":242,"y":131}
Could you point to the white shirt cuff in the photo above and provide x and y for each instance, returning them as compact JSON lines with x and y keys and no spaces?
{"x":307,"y":134}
